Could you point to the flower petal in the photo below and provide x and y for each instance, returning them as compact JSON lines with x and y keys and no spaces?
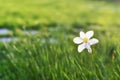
{"x":90,"y":50}
{"x":89,"y":34}
{"x":82,"y":34}
{"x":77,"y":40}
{"x":93,"y":41}
{"x":88,"y":47}
{"x":81,"y":47}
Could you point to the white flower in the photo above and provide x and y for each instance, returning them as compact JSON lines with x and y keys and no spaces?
{"x":85,"y":41}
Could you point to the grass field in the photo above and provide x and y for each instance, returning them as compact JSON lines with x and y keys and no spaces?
{"x":51,"y":54}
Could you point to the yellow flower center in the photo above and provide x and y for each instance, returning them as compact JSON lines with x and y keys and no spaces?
{"x":85,"y":40}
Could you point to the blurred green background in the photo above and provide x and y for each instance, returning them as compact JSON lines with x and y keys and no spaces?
{"x":36,"y":39}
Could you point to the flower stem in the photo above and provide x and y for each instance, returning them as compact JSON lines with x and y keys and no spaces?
{"x":92,"y":65}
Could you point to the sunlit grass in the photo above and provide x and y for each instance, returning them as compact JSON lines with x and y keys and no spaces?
{"x":37,"y":13}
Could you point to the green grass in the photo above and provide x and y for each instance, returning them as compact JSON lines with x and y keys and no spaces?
{"x":38,"y":13}
{"x":51,"y":54}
